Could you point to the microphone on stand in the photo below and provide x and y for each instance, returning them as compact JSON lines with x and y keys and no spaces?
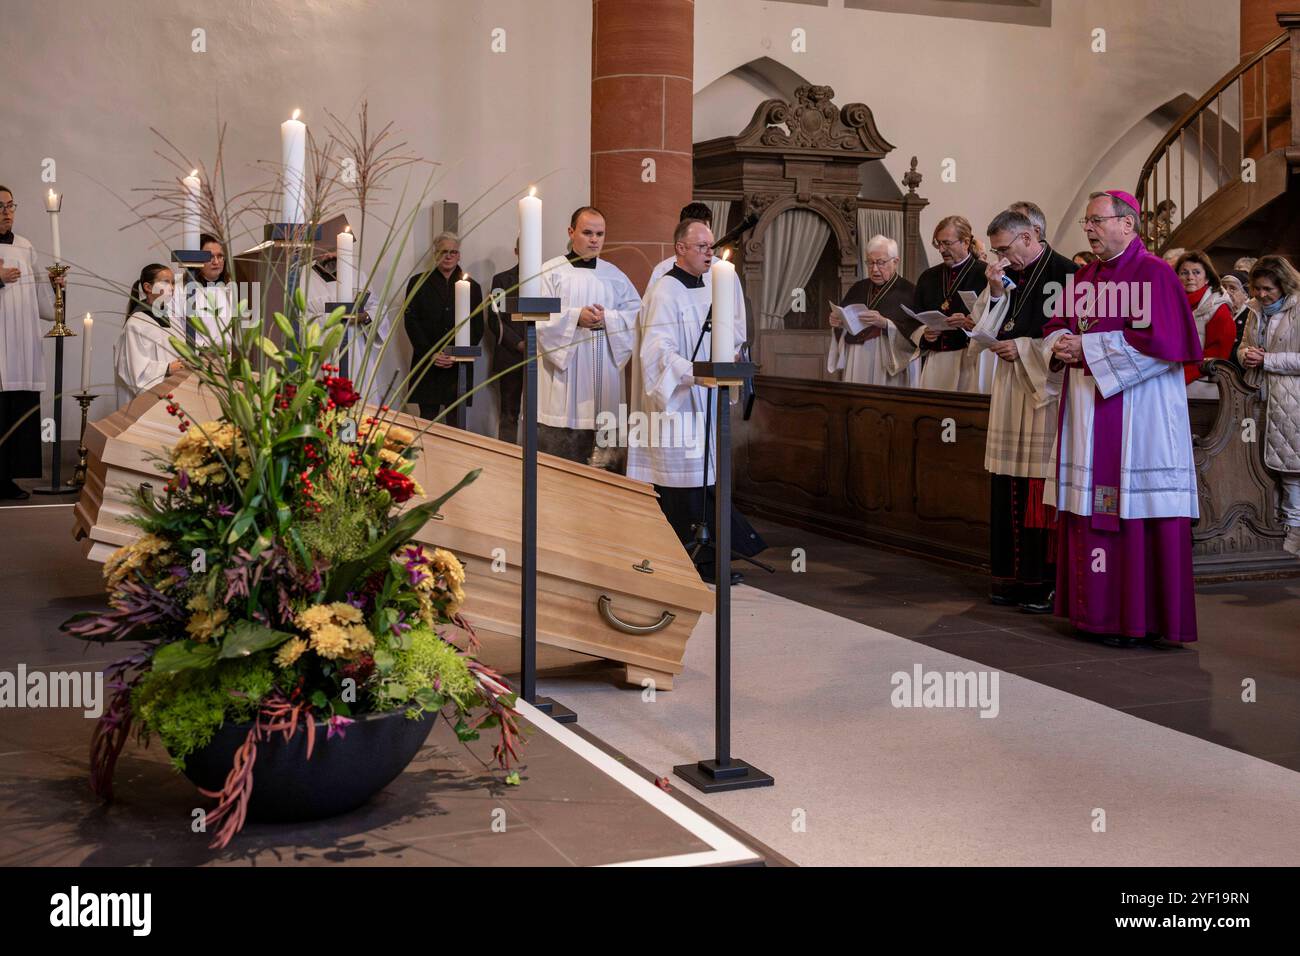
{"x":742,"y":227}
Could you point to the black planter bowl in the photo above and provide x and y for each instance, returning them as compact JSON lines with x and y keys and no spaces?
{"x":341,"y":775}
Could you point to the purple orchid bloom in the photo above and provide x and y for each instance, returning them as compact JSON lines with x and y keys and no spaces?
{"x":183,"y":480}
{"x":337,"y":723}
{"x":224,"y":511}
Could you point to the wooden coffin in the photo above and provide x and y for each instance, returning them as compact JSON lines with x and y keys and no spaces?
{"x":613,"y":582}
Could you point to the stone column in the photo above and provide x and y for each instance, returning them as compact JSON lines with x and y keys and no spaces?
{"x":642,"y":60}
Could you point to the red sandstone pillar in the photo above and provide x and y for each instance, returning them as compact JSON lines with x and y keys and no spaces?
{"x":642,"y":61}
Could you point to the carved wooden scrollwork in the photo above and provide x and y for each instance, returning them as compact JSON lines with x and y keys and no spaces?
{"x":812,"y":121}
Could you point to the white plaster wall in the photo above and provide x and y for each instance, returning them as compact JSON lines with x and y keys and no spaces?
{"x":84,"y":80}
{"x":1026,"y":112}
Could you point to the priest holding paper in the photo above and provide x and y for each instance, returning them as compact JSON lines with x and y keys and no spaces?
{"x":948,"y":364}
{"x":585,"y":346}
{"x":879,"y":350}
{"x":1022,"y":408}
{"x":25,"y":298}
{"x":671,"y":447}
{"x":1122,"y":474}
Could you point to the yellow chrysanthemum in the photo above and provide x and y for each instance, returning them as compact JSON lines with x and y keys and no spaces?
{"x":330,"y":640}
{"x":145,"y":553}
{"x":315,"y":616}
{"x":360,"y":640}
{"x":204,"y":624}
{"x":346,"y":613}
{"x":197,"y":452}
{"x":290,"y":651}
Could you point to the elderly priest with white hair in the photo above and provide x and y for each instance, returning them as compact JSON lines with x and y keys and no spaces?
{"x":881,"y":352}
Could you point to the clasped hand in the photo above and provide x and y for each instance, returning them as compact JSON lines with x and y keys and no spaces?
{"x":1069,"y":349}
{"x":592,"y":317}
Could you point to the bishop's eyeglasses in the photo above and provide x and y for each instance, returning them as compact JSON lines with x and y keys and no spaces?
{"x":1095,"y":221}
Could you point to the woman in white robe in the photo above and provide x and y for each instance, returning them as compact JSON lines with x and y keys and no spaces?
{"x":144,"y":354}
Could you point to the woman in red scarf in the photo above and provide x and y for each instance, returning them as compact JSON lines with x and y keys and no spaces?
{"x":1213,"y":311}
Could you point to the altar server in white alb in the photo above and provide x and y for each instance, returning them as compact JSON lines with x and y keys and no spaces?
{"x":144,"y":355}
{"x":699,"y":212}
{"x":365,"y":338}
{"x":881,"y":353}
{"x":692,"y":210}
{"x":584,"y":346}
{"x":210,"y":297}
{"x":25,"y":298}
{"x":667,"y":446}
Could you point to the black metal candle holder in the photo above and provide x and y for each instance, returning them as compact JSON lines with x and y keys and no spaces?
{"x":463,"y":356}
{"x":723,"y":772}
{"x":529,"y":310}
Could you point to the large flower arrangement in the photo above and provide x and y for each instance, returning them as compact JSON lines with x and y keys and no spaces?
{"x":276,"y":581}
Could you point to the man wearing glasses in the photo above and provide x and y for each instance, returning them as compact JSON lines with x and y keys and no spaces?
{"x":1022,"y":409}
{"x":1122,"y":475}
{"x":948,"y":363}
{"x":678,"y":454}
{"x":25,"y":298}
{"x":880,"y":353}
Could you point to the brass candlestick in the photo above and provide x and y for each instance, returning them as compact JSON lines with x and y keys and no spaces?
{"x":79,"y":473}
{"x":60,"y":330}
{"x":58,"y":333}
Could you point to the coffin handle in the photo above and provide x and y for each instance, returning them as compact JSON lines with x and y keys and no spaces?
{"x":606,"y":607}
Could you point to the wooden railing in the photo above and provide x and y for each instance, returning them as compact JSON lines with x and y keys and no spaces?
{"x":1161,"y":211}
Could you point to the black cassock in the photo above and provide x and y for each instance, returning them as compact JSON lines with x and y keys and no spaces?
{"x":938,"y":289}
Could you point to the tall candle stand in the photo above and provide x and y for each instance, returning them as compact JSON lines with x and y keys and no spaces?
{"x":529,"y":311}
{"x":463,"y":356}
{"x":59,"y":332}
{"x":83,"y":461}
{"x":723,"y":772}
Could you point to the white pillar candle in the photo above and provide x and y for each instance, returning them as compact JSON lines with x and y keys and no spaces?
{"x":190,"y":234}
{"x":293,"y":160}
{"x":53,"y":202}
{"x":462,"y":311}
{"x":87,"y":326}
{"x":345,"y":271}
{"x":530,"y":245}
{"x":722,"y":343}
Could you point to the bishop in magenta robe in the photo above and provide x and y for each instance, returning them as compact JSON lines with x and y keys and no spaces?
{"x":1122,"y":475}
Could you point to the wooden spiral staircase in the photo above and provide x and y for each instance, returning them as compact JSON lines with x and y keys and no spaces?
{"x":1221,"y":179}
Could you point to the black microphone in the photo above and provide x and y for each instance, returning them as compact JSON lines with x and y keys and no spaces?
{"x":742,"y":227}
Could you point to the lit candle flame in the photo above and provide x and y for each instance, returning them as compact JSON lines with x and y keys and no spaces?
{"x":726,"y":253}
{"x":194,"y":172}
{"x":295,"y":114}
{"x":347,"y":228}
{"x":532,"y":190}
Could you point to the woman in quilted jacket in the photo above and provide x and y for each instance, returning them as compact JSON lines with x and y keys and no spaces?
{"x":1270,"y":353}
